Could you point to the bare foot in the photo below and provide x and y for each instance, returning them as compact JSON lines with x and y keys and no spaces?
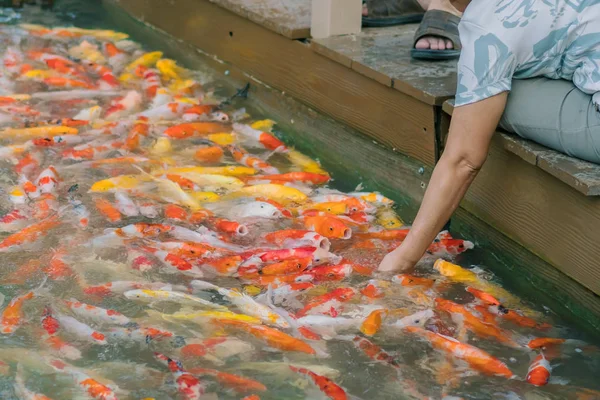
{"x":431,"y":42}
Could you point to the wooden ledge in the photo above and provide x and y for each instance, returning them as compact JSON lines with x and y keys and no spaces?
{"x":581,"y":175}
{"x":383,"y":54}
{"x":290,"y":18}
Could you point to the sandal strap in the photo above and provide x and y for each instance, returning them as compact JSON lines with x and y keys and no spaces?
{"x":439,"y":23}
{"x":393,"y":8}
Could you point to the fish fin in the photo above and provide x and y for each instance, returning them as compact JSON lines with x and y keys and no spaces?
{"x":557,"y":380}
{"x":360,"y":187}
{"x":2,"y":299}
{"x":203,"y":285}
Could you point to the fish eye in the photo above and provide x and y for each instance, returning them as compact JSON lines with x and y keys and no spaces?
{"x":417,"y":321}
{"x":331,"y":228}
{"x":298,"y":265}
{"x":460,"y":246}
{"x":331,"y":275}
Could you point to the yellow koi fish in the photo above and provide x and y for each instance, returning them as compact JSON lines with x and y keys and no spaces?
{"x":264,"y":125}
{"x":205,"y":197}
{"x":170,"y":70}
{"x":306,"y":163}
{"x":38,"y":131}
{"x":222,"y":139}
{"x":121,"y":182}
{"x":162,"y":146}
{"x":282,"y":194}
{"x":146,"y":60}
{"x":217,"y":315}
{"x":388,"y":218}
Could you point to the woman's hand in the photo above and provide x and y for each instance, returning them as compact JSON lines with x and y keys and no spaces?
{"x":471,"y":132}
{"x":393,"y":262}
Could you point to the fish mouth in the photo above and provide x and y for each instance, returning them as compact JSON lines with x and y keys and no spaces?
{"x":277,"y":214}
{"x":347,"y":233}
{"x":324,"y":244}
{"x":242,"y":230}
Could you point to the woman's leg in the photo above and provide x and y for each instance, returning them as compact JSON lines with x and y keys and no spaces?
{"x":555,"y":114}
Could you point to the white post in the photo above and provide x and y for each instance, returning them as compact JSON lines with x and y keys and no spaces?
{"x":335,"y":17}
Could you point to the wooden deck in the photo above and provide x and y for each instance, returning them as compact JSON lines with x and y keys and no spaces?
{"x":544,"y":201}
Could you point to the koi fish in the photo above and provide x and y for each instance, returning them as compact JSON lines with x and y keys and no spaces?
{"x":211,"y":154}
{"x":188,"y":385}
{"x":282,"y":194}
{"x":236,"y":382}
{"x":298,"y":238}
{"x":244,"y":303}
{"x":411,"y":280}
{"x":93,"y":388}
{"x":110,"y":212}
{"x":97,"y":314}
{"x":539,"y":371}
{"x":149,"y":295}
{"x":324,"y":301}
{"x":12,"y":315}
{"x":294,"y":265}
{"x":45,"y":131}
{"x":81,"y":330}
{"x":374,"y":352}
{"x":50,"y":338}
{"x":372,"y":323}
{"x":327,"y":386}
{"x":478,"y":359}
{"x":29,"y":234}
{"x":304,"y":162}
{"x":242,"y":157}
{"x":191,"y":129}
{"x":273,"y":337}
{"x":328,"y":226}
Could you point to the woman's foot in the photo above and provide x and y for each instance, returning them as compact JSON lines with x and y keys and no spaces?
{"x":436,"y":42}
{"x":431,"y":42}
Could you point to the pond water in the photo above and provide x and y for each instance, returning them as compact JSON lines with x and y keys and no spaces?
{"x":160,"y":240}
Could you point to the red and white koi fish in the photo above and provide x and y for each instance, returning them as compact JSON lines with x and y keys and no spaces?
{"x":50,"y":338}
{"x":151,"y":82}
{"x":80,"y":330}
{"x":123,"y":106}
{"x":188,"y":385}
{"x":120,"y":287}
{"x":325,"y":302}
{"x":244,"y":158}
{"x":255,"y":209}
{"x":92,"y":387}
{"x":174,"y":263}
{"x":13,"y":221}
{"x":268,"y":141}
{"x":96,"y":314}
{"x":140,"y":335}
{"x":297,"y":238}
{"x":166,"y":112}
{"x":117,"y":58}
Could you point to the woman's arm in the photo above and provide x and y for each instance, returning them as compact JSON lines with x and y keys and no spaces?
{"x":469,"y":139}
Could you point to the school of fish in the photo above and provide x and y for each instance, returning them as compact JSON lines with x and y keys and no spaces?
{"x":159,"y":243}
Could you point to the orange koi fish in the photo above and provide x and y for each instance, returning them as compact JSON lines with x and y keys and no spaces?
{"x":325,"y":300}
{"x":29,"y":234}
{"x":474,"y":324}
{"x":212,"y":154}
{"x":191,"y":129}
{"x":540,"y":343}
{"x":297,"y":238}
{"x":327,"y":386}
{"x":227,"y":226}
{"x":139,"y":129}
{"x":315,"y":179}
{"x":475,"y":357}
{"x":372,"y":323}
{"x":329,"y":226}
{"x":273,"y":337}
{"x":110,"y":212}
{"x":287,"y":266}
{"x":67,"y":83}
{"x":330,"y":272}
{"x":372,"y":290}
{"x":12,"y":316}
{"x":483,"y":296}
{"x":411,"y":280}
{"x":539,"y":371}
{"x":520,"y":319}
{"x":389,"y":234}
{"x":236,"y":382}
{"x":57,"y":269}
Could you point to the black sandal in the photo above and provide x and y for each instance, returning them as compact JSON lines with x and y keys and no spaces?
{"x":441,"y":24}
{"x":392,"y":12}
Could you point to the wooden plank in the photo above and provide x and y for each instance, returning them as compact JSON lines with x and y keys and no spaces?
{"x":387,"y":115}
{"x":290,"y":18}
{"x":378,"y":53}
{"x":548,"y":217}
